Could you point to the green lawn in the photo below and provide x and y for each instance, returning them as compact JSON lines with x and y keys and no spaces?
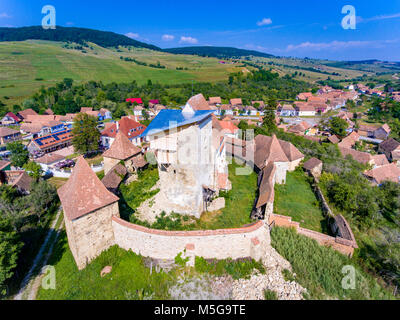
{"x":239,"y":202}
{"x":134,"y":194}
{"x":130,"y":279}
{"x":296,"y":199}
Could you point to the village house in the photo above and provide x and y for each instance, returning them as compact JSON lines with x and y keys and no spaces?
{"x":380,"y":160}
{"x":349,"y":141}
{"x":51,"y":142}
{"x":361,"y":157}
{"x":10,"y":119}
{"x":153,"y":103}
{"x":156,"y":108}
{"x":40,"y":125}
{"x":8,"y":135}
{"x":48,"y":112}
{"x":287,"y":111}
{"x":18,"y":179}
{"x":391,"y":148}
{"x":215,"y":101}
{"x":367,"y":131}
{"x":389,"y":172}
{"x":236,"y":103}
{"x":225,"y":109}
{"x":47,"y":161}
{"x":305,"y":110}
{"x":227,"y":127}
{"x":22,"y":115}
{"x":101,"y":115}
{"x":301,"y":128}
{"x":304,"y":96}
{"x":123,"y":150}
{"x":129,"y":127}
{"x":382,"y":132}
{"x":334,"y":139}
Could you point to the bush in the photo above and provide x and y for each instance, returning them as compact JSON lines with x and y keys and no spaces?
{"x":270,"y":295}
{"x":238,"y":269}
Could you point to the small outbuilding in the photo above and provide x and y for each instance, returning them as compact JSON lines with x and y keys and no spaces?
{"x":313,"y":167}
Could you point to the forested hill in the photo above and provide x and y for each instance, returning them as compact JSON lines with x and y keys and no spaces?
{"x":77,"y":35}
{"x":218,"y":52}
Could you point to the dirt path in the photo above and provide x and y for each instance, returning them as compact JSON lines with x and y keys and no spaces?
{"x":29,"y":285}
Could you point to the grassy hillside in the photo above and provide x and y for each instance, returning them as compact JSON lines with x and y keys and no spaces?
{"x":77,"y":35}
{"x":218,"y":52}
{"x":26,"y":66}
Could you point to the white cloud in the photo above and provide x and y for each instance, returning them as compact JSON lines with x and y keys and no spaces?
{"x":188,"y":40}
{"x":132,"y":35}
{"x":264,"y":22}
{"x":70,"y":23}
{"x":378,"y":18}
{"x":5,"y":15}
{"x":337,"y":45}
{"x":167,"y":37}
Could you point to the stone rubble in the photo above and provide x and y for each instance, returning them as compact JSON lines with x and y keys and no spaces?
{"x":273,"y":279}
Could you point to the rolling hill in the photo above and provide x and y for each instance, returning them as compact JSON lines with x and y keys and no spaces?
{"x":77,"y":35}
{"x":218,"y":52}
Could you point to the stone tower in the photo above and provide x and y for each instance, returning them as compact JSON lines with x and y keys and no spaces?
{"x":123,"y":150}
{"x":88,"y":210}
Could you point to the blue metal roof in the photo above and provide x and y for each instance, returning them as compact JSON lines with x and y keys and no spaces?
{"x":170,"y":118}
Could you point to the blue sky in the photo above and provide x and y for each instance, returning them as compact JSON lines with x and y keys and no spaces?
{"x":302,"y":28}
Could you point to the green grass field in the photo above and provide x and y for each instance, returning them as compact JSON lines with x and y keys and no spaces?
{"x":296,"y":199}
{"x":28,"y":65}
{"x":130,"y":279}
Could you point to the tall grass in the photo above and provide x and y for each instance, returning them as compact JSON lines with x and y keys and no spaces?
{"x":319,"y":269}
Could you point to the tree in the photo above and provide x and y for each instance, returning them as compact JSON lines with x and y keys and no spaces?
{"x":10,"y":247}
{"x":34,"y":170}
{"x":269,"y":122}
{"x":338,"y":126}
{"x":42,"y":197}
{"x":145,"y":115}
{"x":85,"y":134}
{"x":19,"y":154}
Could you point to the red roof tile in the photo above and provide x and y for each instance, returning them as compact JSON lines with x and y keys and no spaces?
{"x":84,"y":192}
{"x":121,"y":148}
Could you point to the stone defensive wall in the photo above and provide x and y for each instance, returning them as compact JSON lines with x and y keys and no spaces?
{"x":342,"y":245}
{"x":249,"y":241}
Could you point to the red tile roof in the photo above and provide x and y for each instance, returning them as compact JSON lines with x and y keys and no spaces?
{"x":121,"y":148}
{"x":13,"y":116}
{"x":84,"y":192}
{"x":127,"y":126}
{"x":133,"y":100}
{"x":389,"y":172}
{"x":4,"y":131}
{"x":24,"y":113}
{"x":198,"y":102}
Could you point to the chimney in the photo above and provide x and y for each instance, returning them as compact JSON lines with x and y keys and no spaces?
{"x":117,"y":124}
